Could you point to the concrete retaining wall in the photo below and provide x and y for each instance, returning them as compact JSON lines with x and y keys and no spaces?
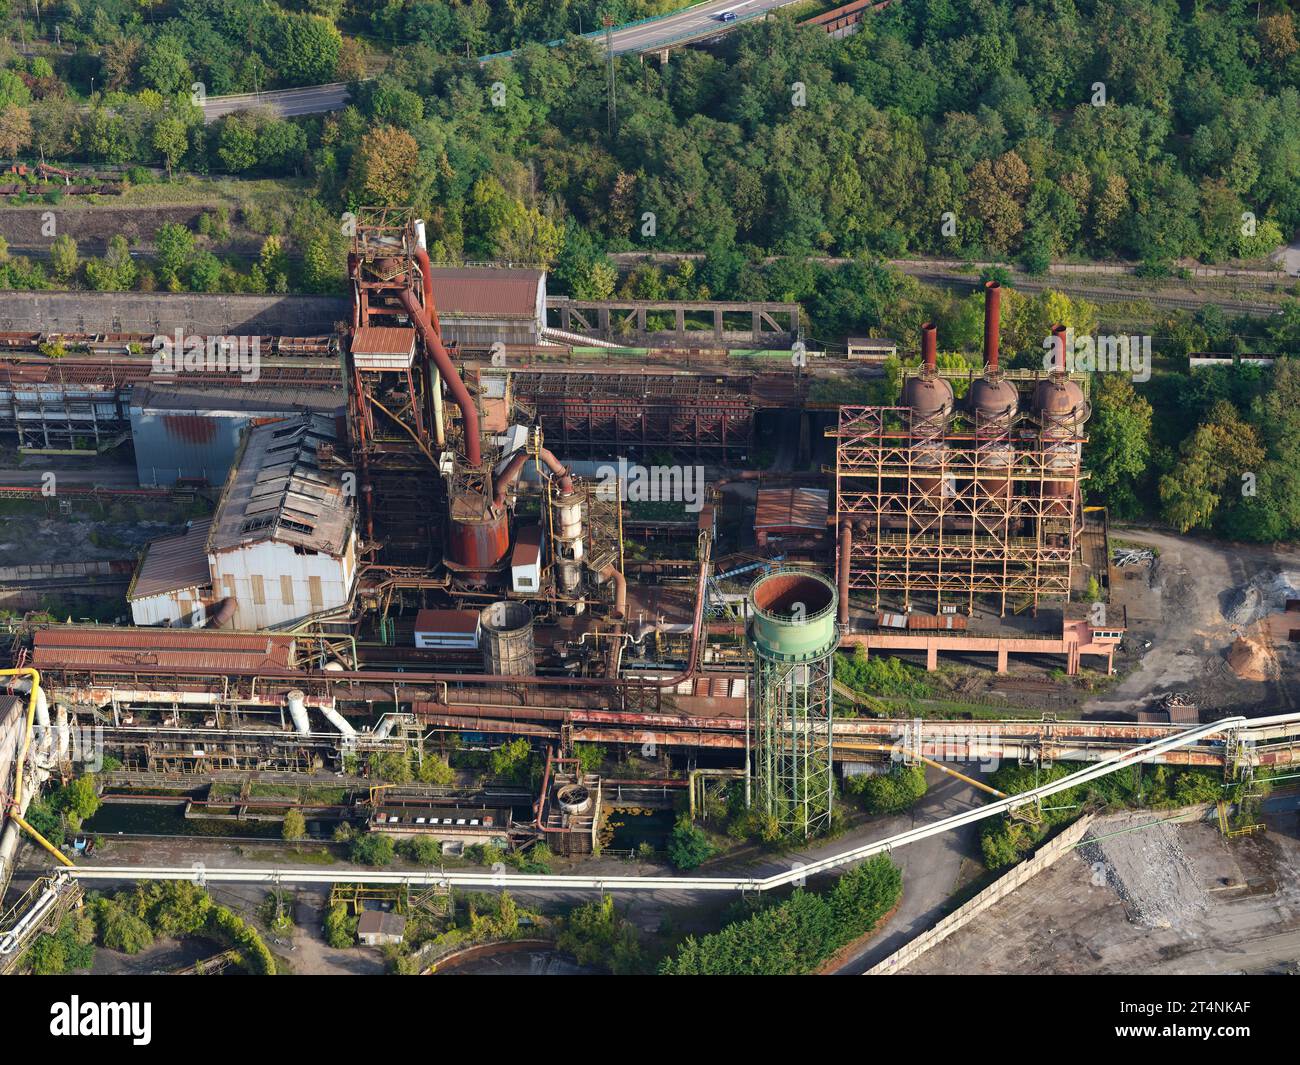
{"x":162,"y":312}
{"x":999,"y":889}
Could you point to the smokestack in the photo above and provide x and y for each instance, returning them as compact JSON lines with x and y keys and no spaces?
{"x":930,"y":347}
{"x":992,"y":321}
{"x":1058,"y":361}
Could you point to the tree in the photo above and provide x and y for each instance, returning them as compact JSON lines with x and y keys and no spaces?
{"x":1119,"y":444}
{"x":164,"y":65}
{"x":15,"y":129}
{"x":295,"y":827}
{"x":64,"y":262}
{"x":306,"y":48}
{"x":435,"y":770}
{"x":115,"y":272}
{"x":80,"y":798}
{"x":688,"y":846}
{"x":373,"y":849}
{"x":511,"y":761}
{"x":1212,"y":460}
{"x":170,"y":140}
{"x":175,"y":246}
{"x":384,"y":167}
{"x":340,"y":928}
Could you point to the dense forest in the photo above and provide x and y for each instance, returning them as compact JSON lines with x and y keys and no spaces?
{"x":1145,"y":130}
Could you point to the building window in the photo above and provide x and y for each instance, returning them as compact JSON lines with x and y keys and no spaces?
{"x":286,"y":589}
{"x":317,"y":596}
{"x":228,"y":583}
{"x":259,"y":590}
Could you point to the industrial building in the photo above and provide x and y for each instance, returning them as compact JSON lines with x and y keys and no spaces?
{"x":942,"y":505}
{"x":191,"y":434}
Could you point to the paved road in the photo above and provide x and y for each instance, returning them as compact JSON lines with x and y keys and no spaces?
{"x":695,"y":23}
{"x":311,"y":100}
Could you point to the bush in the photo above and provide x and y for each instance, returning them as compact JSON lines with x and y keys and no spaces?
{"x":372,"y":849}
{"x":795,"y":936}
{"x":879,"y":675}
{"x":596,"y":935}
{"x":889,"y":793}
{"x":688,"y":847}
{"x":340,"y":928}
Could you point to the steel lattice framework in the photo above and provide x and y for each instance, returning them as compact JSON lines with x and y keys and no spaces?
{"x":977,"y":511}
{"x":598,"y":415}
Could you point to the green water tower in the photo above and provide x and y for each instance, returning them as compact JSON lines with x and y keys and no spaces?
{"x":793,"y":636}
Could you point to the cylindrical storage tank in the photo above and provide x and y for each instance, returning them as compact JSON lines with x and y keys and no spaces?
{"x":478,"y":539}
{"x":793,"y":615}
{"x":506,"y":636}
{"x":1061,"y":410}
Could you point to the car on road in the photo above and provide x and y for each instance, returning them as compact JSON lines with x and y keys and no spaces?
{"x":726,"y":16}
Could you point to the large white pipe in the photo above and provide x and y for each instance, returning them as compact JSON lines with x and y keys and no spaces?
{"x":298,"y":711}
{"x":338,"y":721}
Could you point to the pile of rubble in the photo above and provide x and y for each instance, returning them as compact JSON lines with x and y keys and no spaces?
{"x":1260,"y":596}
{"x":1146,"y":865}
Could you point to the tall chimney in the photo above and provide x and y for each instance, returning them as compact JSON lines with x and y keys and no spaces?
{"x":992,"y":321}
{"x":1058,"y":361}
{"x":930,"y":347}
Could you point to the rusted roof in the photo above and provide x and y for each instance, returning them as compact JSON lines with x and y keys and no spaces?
{"x":173,"y":563}
{"x":485,"y":291}
{"x":383,"y":340}
{"x":108,"y":648}
{"x":379,"y":922}
{"x":446,"y":621}
{"x":528,"y":546}
{"x":792,"y":508}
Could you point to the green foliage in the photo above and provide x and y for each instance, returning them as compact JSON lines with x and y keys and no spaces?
{"x":889,"y":793}
{"x":69,"y":949}
{"x":879,"y":675}
{"x":590,"y":756}
{"x":512,"y":762}
{"x":340,"y":928}
{"x":294,"y":827}
{"x":688,"y":846}
{"x":372,"y":849}
{"x":596,"y":935}
{"x":794,"y":937}
{"x":119,"y":928}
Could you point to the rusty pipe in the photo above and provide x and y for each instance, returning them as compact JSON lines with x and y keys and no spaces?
{"x":512,"y":469}
{"x":426,"y":283}
{"x":612,"y":572}
{"x":930,"y":347}
{"x":992,"y":324}
{"x":1058,"y":360}
{"x":846,"y":546}
{"x":447,"y":370}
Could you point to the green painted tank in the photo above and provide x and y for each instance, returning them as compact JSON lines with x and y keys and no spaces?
{"x":793,"y":616}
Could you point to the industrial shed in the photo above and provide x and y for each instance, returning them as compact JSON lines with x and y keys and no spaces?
{"x":787,"y":515}
{"x":192,"y":432}
{"x":283,"y":541}
{"x":172,"y":581}
{"x":480,"y":305}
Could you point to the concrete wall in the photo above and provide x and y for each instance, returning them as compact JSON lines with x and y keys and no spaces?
{"x":1046,"y":855}
{"x":162,"y":312}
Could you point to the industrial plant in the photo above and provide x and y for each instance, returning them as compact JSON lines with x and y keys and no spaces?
{"x":471,"y":519}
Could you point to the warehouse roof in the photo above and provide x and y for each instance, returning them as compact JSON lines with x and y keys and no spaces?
{"x":447,"y":621}
{"x":209,"y":399}
{"x":173,"y":563}
{"x":792,"y":508}
{"x":486,"y":291}
{"x":106,"y":648}
{"x":278,"y":491}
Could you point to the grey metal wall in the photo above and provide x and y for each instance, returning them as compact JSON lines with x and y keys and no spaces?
{"x":175,"y":445}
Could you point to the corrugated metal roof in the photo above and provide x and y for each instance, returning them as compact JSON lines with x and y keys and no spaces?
{"x":486,"y":291}
{"x":278,"y":492}
{"x":446,"y":621}
{"x":383,"y":340}
{"x":792,"y":508}
{"x":261,"y":398}
{"x":173,"y":563}
{"x":107,"y":648}
{"x":528,"y":546}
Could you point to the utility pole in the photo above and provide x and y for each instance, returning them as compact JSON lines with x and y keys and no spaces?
{"x":608,"y":22}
